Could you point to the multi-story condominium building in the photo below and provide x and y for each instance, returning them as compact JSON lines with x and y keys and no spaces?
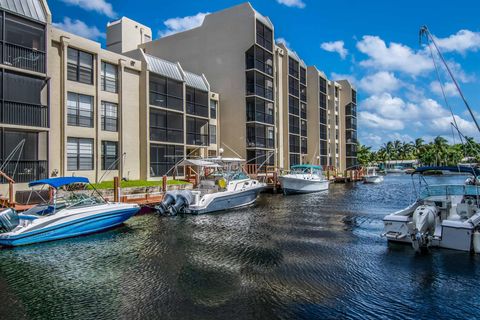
{"x":318,"y":98}
{"x":293,"y":106}
{"x":348,"y":101}
{"x":24,"y":89}
{"x":234,"y":48}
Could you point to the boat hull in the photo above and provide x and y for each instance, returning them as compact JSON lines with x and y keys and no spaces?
{"x":70,"y":228}
{"x":296,"y":185}
{"x":228,"y":201}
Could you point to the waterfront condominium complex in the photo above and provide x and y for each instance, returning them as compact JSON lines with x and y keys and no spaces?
{"x":138,"y":106}
{"x":265,"y":91}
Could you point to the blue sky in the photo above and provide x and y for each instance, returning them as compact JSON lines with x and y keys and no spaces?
{"x":373,"y":43}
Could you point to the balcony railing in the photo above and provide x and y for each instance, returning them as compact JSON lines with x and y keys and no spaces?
{"x":24,"y":58}
{"x":26,"y":170}
{"x":24,"y":114}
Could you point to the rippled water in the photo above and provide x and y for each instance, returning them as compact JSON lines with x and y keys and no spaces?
{"x":303,"y":257}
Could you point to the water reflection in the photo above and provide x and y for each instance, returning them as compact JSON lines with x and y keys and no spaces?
{"x":302,"y":257}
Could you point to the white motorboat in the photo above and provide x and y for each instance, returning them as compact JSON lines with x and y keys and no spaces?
{"x":304,"y":178}
{"x":395,"y":170}
{"x":226,"y":187}
{"x":445,"y":215}
{"x":64,"y":215}
{"x":372,"y":176}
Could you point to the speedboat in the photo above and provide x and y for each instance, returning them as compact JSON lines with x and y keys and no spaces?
{"x":372,"y":176}
{"x":223,"y":186}
{"x":444,"y":215}
{"x":66,"y":214}
{"x":304,"y":178}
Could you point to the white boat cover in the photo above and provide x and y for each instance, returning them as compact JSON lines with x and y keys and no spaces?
{"x":197,"y":163}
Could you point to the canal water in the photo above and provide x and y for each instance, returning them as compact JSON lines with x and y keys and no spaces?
{"x":317,"y":256}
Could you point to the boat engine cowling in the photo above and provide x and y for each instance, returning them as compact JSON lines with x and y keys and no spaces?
{"x":8,"y":220}
{"x":168,"y":201}
{"x":183,"y":200}
{"x":424,"y":218}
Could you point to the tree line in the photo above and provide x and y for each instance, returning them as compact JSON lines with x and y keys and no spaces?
{"x":438,"y":152}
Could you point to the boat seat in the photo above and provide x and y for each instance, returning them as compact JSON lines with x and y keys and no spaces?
{"x":464,"y":210}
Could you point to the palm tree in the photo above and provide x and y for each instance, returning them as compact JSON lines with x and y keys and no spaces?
{"x":418,"y":145}
{"x":440,"y":147}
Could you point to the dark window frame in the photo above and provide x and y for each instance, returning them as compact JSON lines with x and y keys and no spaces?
{"x":75,"y":118}
{"x":109,"y":123}
{"x":75,"y":68}
{"x":109,"y":160}
{"x":78,"y":156}
{"x":105,"y":80}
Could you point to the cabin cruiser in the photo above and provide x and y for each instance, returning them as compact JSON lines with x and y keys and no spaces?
{"x":66,"y":214}
{"x":444,"y":215}
{"x":223,"y":186}
{"x":304,"y":178}
{"x":372,"y":176}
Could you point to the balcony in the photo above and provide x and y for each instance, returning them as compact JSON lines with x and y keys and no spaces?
{"x":24,"y":114}
{"x":26,"y":170}
{"x":24,"y":58}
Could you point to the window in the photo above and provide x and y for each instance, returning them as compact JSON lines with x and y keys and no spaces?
{"x":323,"y":85}
{"x":294,"y":159}
{"x":303,"y":76}
{"x":79,"y":154}
{"x":109,"y":155}
{"x":213,"y":109}
{"x":304,"y":143}
{"x":323,"y":101}
{"x":163,"y":158}
{"x":166,"y":93}
{"x":293,"y":124}
{"x":303,"y":110}
{"x":259,"y":110}
{"x":303,"y":131}
{"x":323,"y":148}
{"x":264,"y":36}
{"x":351,"y":110}
{"x":213,"y":134}
{"x":303,"y":93}
{"x":323,"y":132}
{"x":261,"y":136}
{"x":293,"y":86}
{"x":293,"y":105}
{"x":351,"y":136}
{"x":24,"y":33}
{"x":109,"y":116}
{"x":323,"y":116}
{"x":109,"y":77}
{"x":294,"y":142}
{"x":354,"y":96}
{"x":80,"y":110}
{"x":293,"y":67}
{"x":197,"y":131}
{"x":80,"y":66}
{"x":21,"y":88}
{"x":260,"y":59}
{"x":260,"y":85}
{"x":166,"y":126}
{"x":197,"y":102}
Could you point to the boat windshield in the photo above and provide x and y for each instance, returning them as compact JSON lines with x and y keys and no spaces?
{"x":450,"y":190}
{"x":306,"y":170}
{"x":235,"y":175}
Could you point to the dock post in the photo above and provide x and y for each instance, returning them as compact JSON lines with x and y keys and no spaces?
{"x":11,"y":198}
{"x":275,"y":181}
{"x":116,"y":187}
{"x":164,"y":183}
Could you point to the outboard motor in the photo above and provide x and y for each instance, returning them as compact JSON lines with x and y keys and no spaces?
{"x":168,"y":201}
{"x":424,"y":222}
{"x":8,"y":220}
{"x":183,"y":200}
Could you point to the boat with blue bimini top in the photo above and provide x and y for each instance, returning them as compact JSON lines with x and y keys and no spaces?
{"x":67,"y":213}
{"x":223,"y":186}
{"x":443,"y":215}
{"x":304,"y":178}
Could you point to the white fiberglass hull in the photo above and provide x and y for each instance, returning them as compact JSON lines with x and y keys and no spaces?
{"x":293,"y":184}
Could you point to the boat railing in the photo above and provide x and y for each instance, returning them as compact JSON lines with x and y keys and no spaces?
{"x":450,"y":190}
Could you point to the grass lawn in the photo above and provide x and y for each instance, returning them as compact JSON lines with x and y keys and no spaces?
{"x":135,"y":183}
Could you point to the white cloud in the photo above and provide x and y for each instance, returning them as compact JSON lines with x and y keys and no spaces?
{"x":80,"y":28}
{"x":375,"y":121}
{"x":293,"y":3}
{"x":462,"y":41}
{"x":443,"y":126}
{"x":394,"y":57}
{"x":335,"y":46}
{"x":379,"y":82}
{"x":100,"y":6}
{"x":179,"y":24}
{"x":284,"y":41}
{"x":449,"y":88}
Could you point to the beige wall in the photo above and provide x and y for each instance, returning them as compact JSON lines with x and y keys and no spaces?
{"x":127,"y":100}
{"x":313,"y":114}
